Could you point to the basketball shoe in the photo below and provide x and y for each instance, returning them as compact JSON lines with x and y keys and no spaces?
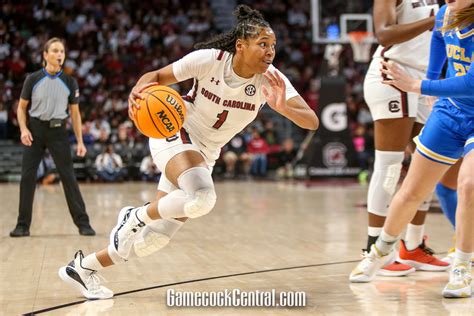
{"x":459,"y":282}
{"x":128,"y":228}
{"x":370,"y":265}
{"x":395,"y":269}
{"x":421,"y":258}
{"x":450,"y":256}
{"x":86,"y":281}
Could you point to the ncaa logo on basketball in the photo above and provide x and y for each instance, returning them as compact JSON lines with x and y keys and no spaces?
{"x":334,"y":155}
{"x":394,"y":106}
{"x":250,"y":90}
{"x":334,"y":117}
{"x":165,"y":120}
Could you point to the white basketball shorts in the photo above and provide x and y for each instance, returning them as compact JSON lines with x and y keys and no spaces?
{"x":387,"y":102}
{"x":162,"y":150}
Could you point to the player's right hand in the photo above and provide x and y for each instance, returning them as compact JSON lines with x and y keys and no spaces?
{"x":136,"y":94}
{"x":26,"y":137}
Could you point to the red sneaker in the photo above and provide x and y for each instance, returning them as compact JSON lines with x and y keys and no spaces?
{"x":395,"y":269}
{"x":421,"y":258}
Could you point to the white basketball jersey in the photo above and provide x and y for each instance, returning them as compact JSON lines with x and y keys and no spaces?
{"x":215,"y":110}
{"x":415,"y":52}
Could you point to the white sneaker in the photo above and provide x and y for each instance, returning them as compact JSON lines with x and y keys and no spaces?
{"x":370,"y":265}
{"x":450,"y":256}
{"x":87,"y":283}
{"x":128,"y":227}
{"x":459,"y":282}
{"x":149,"y":242}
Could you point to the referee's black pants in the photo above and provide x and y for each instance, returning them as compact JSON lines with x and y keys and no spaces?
{"x":56,"y":140}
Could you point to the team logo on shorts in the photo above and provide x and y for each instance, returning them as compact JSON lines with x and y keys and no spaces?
{"x":250,"y":90}
{"x":394,"y":106}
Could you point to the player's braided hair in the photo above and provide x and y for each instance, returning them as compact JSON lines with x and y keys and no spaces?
{"x":249,"y":22}
{"x":460,"y":20}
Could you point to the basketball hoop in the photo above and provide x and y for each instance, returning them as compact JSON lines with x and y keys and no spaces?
{"x":361,"y":42}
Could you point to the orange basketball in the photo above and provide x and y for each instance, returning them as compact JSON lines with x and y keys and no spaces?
{"x":161,"y":113}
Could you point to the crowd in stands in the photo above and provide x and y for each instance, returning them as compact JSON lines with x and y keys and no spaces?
{"x":110,"y":44}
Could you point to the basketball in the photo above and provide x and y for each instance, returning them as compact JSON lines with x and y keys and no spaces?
{"x":161,"y":113}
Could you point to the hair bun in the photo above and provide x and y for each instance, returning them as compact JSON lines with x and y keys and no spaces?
{"x":244,"y":12}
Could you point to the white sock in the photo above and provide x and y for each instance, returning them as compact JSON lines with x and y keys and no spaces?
{"x":461,"y":257}
{"x":414,"y":236}
{"x":88,"y":264}
{"x":142,"y":214}
{"x":385,"y":243}
{"x":116,"y":259}
{"x":374,"y":231}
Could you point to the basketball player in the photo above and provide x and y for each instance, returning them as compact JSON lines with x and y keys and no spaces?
{"x":233,"y":78}
{"x":402,"y":29}
{"x":447,"y":136}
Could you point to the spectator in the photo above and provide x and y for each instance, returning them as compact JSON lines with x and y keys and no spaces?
{"x":148,"y":170}
{"x":237,"y":160}
{"x":3,"y":121}
{"x":109,"y":165}
{"x":258,"y":149}
{"x":47,"y":172}
{"x":285,"y":157}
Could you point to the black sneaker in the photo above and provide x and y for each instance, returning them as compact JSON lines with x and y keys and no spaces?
{"x":86,"y":231}
{"x":20,"y":231}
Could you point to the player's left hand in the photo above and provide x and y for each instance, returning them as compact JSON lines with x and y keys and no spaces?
{"x":276,"y":95}
{"x":81,"y":150}
{"x":399,"y":78}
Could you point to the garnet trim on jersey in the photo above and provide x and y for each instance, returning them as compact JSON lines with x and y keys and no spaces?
{"x":185,"y":136}
{"x":221,"y":54}
{"x":404,"y":96}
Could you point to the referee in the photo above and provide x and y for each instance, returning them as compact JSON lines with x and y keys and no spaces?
{"x":47,"y":93}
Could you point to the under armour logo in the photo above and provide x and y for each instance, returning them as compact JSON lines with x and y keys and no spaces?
{"x":214,"y":80}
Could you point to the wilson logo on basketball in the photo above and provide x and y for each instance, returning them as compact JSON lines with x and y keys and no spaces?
{"x":172,"y":101}
{"x":162,"y":112}
{"x":165,"y":120}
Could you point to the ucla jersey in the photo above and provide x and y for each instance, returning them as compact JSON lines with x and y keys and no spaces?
{"x":459,"y":51}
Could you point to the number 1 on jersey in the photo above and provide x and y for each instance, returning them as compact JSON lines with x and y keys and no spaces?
{"x":222,"y":117}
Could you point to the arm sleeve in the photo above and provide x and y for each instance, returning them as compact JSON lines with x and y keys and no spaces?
{"x":437,"y":49}
{"x":195,"y":64}
{"x":461,"y":86}
{"x":74,"y":96}
{"x":27,"y":89}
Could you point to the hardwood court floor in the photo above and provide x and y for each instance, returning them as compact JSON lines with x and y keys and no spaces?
{"x":309,"y":238}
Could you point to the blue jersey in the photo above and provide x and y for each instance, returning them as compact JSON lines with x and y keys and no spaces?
{"x":457,"y":46}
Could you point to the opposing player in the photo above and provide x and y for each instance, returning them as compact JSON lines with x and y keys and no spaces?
{"x":233,"y":78}
{"x":447,"y":136}
{"x":402,"y":30}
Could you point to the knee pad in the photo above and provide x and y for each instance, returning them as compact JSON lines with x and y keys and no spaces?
{"x":203,"y":202}
{"x":383,"y":183}
{"x":194,"y":198}
{"x":156,"y":236}
{"x":197,"y":183}
{"x":150,"y":242}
